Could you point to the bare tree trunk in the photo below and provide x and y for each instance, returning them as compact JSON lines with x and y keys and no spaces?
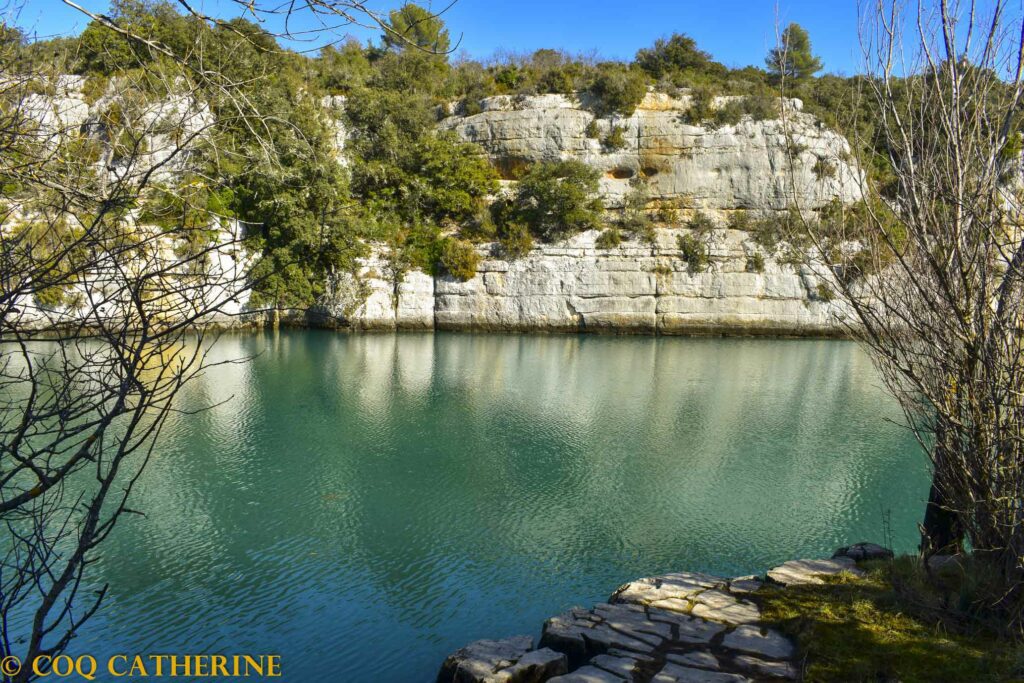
{"x":941,"y":533}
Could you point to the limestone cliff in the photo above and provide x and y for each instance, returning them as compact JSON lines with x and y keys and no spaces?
{"x":765,"y":165}
{"x":636,"y":287}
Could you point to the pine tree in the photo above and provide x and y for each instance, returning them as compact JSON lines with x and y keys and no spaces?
{"x":412,"y":25}
{"x":793,"y":58}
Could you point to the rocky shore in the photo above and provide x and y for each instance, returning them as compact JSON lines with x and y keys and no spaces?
{"x":675,"y":628}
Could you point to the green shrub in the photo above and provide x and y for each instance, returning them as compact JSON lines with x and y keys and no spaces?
{"x":515,"y":240}
{"x":823,"y":168}
{"x":702,"y":106}
{"x":695,"y":252}
{"x":557,"y":199}
{"x":1011,"y":151}
{"x":668,"y":212}
{"x":470,"y":106}
{"x":616,"y":138}
{"x":795,"y":149}
{"x":459,"y":258}
{"x":481,"y":227}
{"x":674,"y":55}
{"x":767,"y":232}
{"x":617,"y":89}
{"x":762,"y":106}
{"x":701,"y":224}
{"x":592,"y":131}
{"x":730,"y":113}
{"x":609,"y":239}
{"x":634,"y":212}
{"x":739,"y":220}
{"x":755,"y":263}
{"x":824,"y":292}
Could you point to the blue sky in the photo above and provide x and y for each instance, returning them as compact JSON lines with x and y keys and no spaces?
{"x":735,"y":32}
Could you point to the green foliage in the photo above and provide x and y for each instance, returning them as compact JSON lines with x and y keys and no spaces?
{"x":401,"y":166}
{"x":617,"y":89}
{"x":459,"y":258}
{"x":701,"y":224}
{"x":515,"y":241}
{"x":1011,"y":151}
{"x":824,"y":292}
{"x":671,"y":56}
{"x":755,"y":263}
{"x":701,"y":106}
{"x":761,"y":106}
{"x":824,"y":169}
{"x":412,"y":72}
{"x":592,"y":131}
{"x":609,"y":239}
{"x":557,"y":199}
{"x":616,"y":139}
{"x":705,"y":111}
{"x":695,"y":252}
{"x":413,"y":27}
{"x":103,"y":50}
{"x":634,"y":212}
{"x":339,"y":71}
{"x":793,"y":59}
{"x":668,"y":211}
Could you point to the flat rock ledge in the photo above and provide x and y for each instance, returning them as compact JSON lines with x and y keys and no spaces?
{"x":676,"y":628}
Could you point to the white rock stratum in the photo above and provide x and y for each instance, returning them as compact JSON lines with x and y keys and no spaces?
{"x":637,"y":288}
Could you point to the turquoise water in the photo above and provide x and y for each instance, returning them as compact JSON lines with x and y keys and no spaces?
{"x":363,"y":505}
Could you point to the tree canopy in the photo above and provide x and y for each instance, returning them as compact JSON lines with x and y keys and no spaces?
{"x":413,"y":26}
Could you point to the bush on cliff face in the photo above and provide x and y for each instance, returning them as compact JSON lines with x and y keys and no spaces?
{"x":459,"y":258}
{"x":615,"y":140}
{"x":515,"y":240}
{"x":558,"y":199}
{"x":609,"y":239}
{"x":399,"y":164}
{"x":634,"y":212}
{"x":695,"y":252}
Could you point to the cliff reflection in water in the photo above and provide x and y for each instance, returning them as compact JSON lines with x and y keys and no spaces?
{"x":365,"y":504}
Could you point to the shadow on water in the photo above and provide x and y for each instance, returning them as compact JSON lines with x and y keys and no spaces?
{"x":363,"y":505}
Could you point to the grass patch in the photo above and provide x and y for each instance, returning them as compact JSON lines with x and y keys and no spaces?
{"x":864,"y":629}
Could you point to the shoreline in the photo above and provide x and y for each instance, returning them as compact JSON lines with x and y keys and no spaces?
{"x":673,"y":628}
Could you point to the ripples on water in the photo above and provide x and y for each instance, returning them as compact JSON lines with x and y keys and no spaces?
{"x":364,"y":505}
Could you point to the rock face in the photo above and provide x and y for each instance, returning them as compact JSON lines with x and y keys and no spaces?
{"x":762,"y":165}
{"x":574,"y":286}
{"x":637,"y":287}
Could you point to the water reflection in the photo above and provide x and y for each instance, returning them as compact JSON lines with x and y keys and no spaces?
{"x":363,"y":505}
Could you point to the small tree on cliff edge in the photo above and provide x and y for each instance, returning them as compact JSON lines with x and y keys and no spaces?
{"x":792,"y":59}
